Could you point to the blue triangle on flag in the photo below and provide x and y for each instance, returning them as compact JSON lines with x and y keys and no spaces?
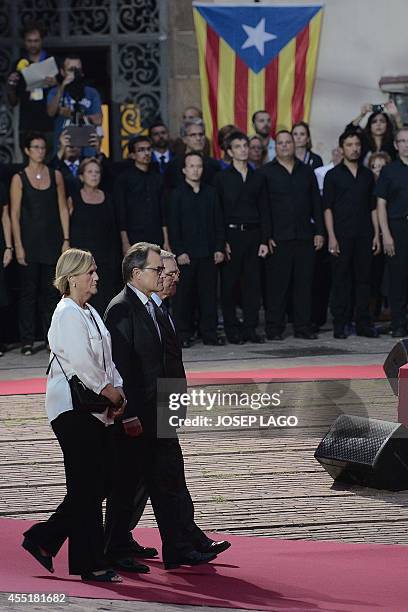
{"x":257,"y":33}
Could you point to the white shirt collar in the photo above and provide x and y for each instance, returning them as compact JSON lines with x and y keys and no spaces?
{"x":158,"y":155}
{"x":142,"y":296}
{"x":69,"y":163}
{"x":157,"y":299}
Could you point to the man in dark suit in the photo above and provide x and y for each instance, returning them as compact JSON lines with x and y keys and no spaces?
{"x":141,"y":344}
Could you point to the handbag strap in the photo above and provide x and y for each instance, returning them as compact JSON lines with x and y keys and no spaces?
{"x":59,"y":363}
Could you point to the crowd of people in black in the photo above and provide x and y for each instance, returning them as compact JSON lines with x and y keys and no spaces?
{"x":267,"y":225}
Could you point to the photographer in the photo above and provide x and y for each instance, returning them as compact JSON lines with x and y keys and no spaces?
{"x":73,"y":102}
{"x":33,"y":108}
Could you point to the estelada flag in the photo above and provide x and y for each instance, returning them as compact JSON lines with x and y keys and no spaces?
{"x":256,"y":57}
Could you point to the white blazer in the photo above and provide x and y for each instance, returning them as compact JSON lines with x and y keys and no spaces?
{"x":75,"y":339}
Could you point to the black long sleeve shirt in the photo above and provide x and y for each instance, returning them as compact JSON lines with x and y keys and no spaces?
{"x":392,"y":186}
{"x":139,"y":203}
{"x":195,"y":221}
{"x":244,"y":201}
{"x":294,"y":201}
{"x":350,"y":199}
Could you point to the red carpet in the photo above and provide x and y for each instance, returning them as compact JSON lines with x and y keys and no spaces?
{"x":255,"y":574}
{"x":348,"y":372}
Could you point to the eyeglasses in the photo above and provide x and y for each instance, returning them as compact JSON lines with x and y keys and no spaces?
{"x":158,"y":270}
{"x":173,"y":273}
{"x":196,"y":135}
{"x":38,"y":148}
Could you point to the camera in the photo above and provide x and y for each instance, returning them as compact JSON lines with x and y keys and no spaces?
{"x":378,"y":108}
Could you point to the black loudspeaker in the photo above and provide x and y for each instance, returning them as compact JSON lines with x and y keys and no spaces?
{"x":397,"y":357}
{"x":368,"y":452}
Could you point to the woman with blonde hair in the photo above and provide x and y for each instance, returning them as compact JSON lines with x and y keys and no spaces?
{"x":80,"y":347}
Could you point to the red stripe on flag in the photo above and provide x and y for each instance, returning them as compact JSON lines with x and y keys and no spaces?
{"x":241,"y":94}
{"x":302,"y":45}
{"x":271,"y":91}
{"x":212,"y":64}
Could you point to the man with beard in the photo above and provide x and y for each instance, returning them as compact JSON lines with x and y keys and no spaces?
{"x":262,"y":123}
{"x":73,"y":96}
{"x":141,"y":351}
{"x":353,"y":235}
{"x":161,"y":153}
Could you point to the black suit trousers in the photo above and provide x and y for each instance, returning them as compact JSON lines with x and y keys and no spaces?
{"x":198,"y":278}
{"x":292,"y":260}
{"x":152,"y":467}
{"x":84,"y":443}
{"x":354,"y":261}
{"x":242,"y":270}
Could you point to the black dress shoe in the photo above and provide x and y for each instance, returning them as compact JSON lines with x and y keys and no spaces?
{"x":254,"y":337}
{"x":216,"y":547}
{"x":144,"y":552}
{"x":130,"y":565}
{"x":192,"y":558}
{"x":276,"y":337}
{"x":220,"y":341}
{"x":401,"y":332}
{"x":306,"y":335}
{"x":367,"y":332}
{"x":185,"y":344}
{"x":34,"y":550}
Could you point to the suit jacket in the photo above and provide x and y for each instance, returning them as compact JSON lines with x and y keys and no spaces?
{"x":142,"y":357}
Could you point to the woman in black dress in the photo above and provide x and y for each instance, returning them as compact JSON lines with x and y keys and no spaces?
{"x":303,"y":145}
{"x":93,"y":228}
{"x":40,"y":224}
{"x":6,"y":254}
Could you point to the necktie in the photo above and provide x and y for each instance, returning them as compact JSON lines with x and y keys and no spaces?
{"x":150,"y":309}
{"x":74,"y":168}
{"x":166,"y":313}
{"x":162,"y":163}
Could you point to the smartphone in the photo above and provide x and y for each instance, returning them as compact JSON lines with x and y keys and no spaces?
{"x":79,"y":134}
{"x":378,"y":108}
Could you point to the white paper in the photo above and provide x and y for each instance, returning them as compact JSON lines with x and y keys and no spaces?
{"x":36,"y":73}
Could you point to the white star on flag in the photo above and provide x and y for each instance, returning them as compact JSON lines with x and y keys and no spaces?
{"x":257,"y":37}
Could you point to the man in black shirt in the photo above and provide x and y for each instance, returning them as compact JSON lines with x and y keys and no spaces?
{"x":193,"y":134}
{"x":243,"y":199}
{"x":33,"y":104}
{"x":139,"y":199}
{"x":297,"y":231}
{"x":392,"y":207}
{"x":353,"y":236}
{"x":197,"y":238}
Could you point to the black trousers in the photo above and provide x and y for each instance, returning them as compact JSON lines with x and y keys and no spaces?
{"x":36,"y":286}
{"x":150,"y":467}
{"x":321,"y":287}
{"x":353,"y":262}
{"x":398,"y":273}
{"x":84,"y":443}
{"x":198,"y":283}
{"x":242,"y":271}
{"x":291,"y":260}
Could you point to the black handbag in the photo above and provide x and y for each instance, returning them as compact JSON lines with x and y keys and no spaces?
{"x":84,"y":399}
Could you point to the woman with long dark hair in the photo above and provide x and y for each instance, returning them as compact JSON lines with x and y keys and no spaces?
{"x":378,"y":134}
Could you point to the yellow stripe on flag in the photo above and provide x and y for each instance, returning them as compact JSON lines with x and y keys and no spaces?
{"x":226,"y":85}
{"x":201,"y":32}
{"x":287,"y":60}
{"x":311,"y":60}
{"x":256,"y":95}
